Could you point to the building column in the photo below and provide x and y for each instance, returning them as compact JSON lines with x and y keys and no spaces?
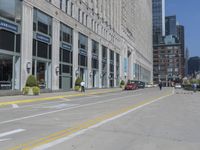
{"x":100,"y":65}
{"x":55,"y":54}
{"x":75,"y":56}
{"x":26,"y":42}
{"x":89,"y":63}
{"x":108,"y":68}
{"x":115,"y":73}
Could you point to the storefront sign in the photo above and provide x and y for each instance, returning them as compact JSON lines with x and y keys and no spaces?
{"x":104,"y":60}
{"x":8,"y":26}
{"x":94,"y":56}
{"x":66,"y":46}
{"x":83,"y":52}
{"x":43,"y":38}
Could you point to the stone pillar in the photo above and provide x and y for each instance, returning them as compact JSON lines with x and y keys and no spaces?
{"x":115,"y":73}
{"x":26,"y":41}
{"x":89,"y":63}
{"x":75,"y":56}
{"x":100,"y":65}
{"x":108,"y":68}
{"x":55,"y":53}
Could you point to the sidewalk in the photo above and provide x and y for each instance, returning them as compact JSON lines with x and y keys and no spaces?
{"x":21,"y":99}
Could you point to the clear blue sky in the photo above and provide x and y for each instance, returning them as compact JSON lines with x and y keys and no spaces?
{"x":188,"y":14}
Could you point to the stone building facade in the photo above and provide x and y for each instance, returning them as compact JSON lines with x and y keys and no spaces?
{"x":102,"y":41}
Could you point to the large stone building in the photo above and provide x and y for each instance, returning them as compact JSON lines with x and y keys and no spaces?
{"x":102,"y":41}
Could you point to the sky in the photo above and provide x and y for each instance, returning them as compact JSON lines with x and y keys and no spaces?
{"x":188,"y":14}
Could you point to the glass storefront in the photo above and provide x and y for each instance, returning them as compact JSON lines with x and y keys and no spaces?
{"x":111,"y":77}
{"x":10,"y":39}
{"x":104,"y":66}
{"x":66,"y":58}
{"x":117,"y":69}
{"x":95,"y":64}
{"x":83,"y":57}
{"x":42,"y":48}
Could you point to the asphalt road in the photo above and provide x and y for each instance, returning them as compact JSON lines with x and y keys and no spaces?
{"x":146,"y":119}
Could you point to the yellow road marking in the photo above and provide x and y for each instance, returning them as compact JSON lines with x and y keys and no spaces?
{"x":64,"y":133}
{"x":51,"y":98}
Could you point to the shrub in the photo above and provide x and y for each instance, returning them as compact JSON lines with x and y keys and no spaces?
{"x":25,"y":90}
{"x":78,"y":81}
{"x":122,"y":82}
{"x":77,"y":88}
{"x":31,"y":81}
{"x":36,"y":90}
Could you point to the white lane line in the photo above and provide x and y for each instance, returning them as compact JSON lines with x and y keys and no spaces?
{"x":56,"y":111}
{"x":15,"y":106}
{"x":3,"y":140}
{"x":64,"y":139}
{"x":11,"y":132}
{"x":50,"y":102}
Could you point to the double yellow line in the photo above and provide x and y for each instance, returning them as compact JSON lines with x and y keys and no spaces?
{"x":52,"y":98}
{"x":69,"y":131}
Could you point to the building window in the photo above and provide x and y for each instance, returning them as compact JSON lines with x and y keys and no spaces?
{"x":66,"y":6}
{"x":66,"y":34}
{"x":71,"y":12}
{"x":83,"y":47}
{"x":79,"y":15}
{"x":86,"y":20}
{"x":83,"y":18}
{"x":61,"y":4}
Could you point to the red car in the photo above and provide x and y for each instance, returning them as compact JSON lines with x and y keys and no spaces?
{"x":131,"y":86}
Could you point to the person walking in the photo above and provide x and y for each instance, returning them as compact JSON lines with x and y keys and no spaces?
{"x":160,"y":85}
{"x":82,"y":86}
{"x":194,"y":87}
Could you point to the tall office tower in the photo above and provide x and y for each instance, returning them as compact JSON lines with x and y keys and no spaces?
{"x":170,"y":25}
{"x":158,"y":7}
{"x":186,"y":61}
{"x":193,"y":65}
{"x":181,"y":38}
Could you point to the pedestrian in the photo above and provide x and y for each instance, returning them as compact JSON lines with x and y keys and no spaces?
{"x":160,"y":85}
{"x":194,"y":87}
{"x":82,"y":86}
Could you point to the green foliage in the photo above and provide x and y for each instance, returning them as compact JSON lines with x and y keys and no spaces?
{"x":36,"y":90}
{"x":78,"y":81}
{"x":25,"y":90}
{"x":194,"y":81}
{"x":31,"y":81}
{"x":77,"y":88}
{"x":122,"y":83}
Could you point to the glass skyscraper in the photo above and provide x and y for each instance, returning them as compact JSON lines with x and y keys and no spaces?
{"x":170,"y":25}
{"x":158,"y":20}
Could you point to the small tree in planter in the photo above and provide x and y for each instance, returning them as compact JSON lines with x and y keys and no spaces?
{"x":31,"y":87}
{"x":122,"y":84}
{"x":78,"y":84}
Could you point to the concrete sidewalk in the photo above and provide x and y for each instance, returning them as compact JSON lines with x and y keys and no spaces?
{"x":21,"y":99}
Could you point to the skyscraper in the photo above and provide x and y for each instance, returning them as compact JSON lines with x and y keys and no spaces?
{"x":170,"y":25}
{"x":158,"y":20}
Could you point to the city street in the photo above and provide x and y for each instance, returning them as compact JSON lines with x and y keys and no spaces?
{"x":130,"y":120}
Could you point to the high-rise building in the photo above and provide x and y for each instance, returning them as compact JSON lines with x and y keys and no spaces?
{"x":193,"y":65}
{"x":59,"y":40}
{"x":170,"y":25}
{"x":158,"y":7}
{"x":167,"y":61}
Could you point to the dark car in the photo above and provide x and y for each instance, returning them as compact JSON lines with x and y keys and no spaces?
{"x":131,"y":86}
{"x":140,"y":84}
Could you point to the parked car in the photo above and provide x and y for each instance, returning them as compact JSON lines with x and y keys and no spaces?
{"x":149,"y":85}
{"x":131,"y":86}
{"x":177,"y":86}
{"x":140,"y":84}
